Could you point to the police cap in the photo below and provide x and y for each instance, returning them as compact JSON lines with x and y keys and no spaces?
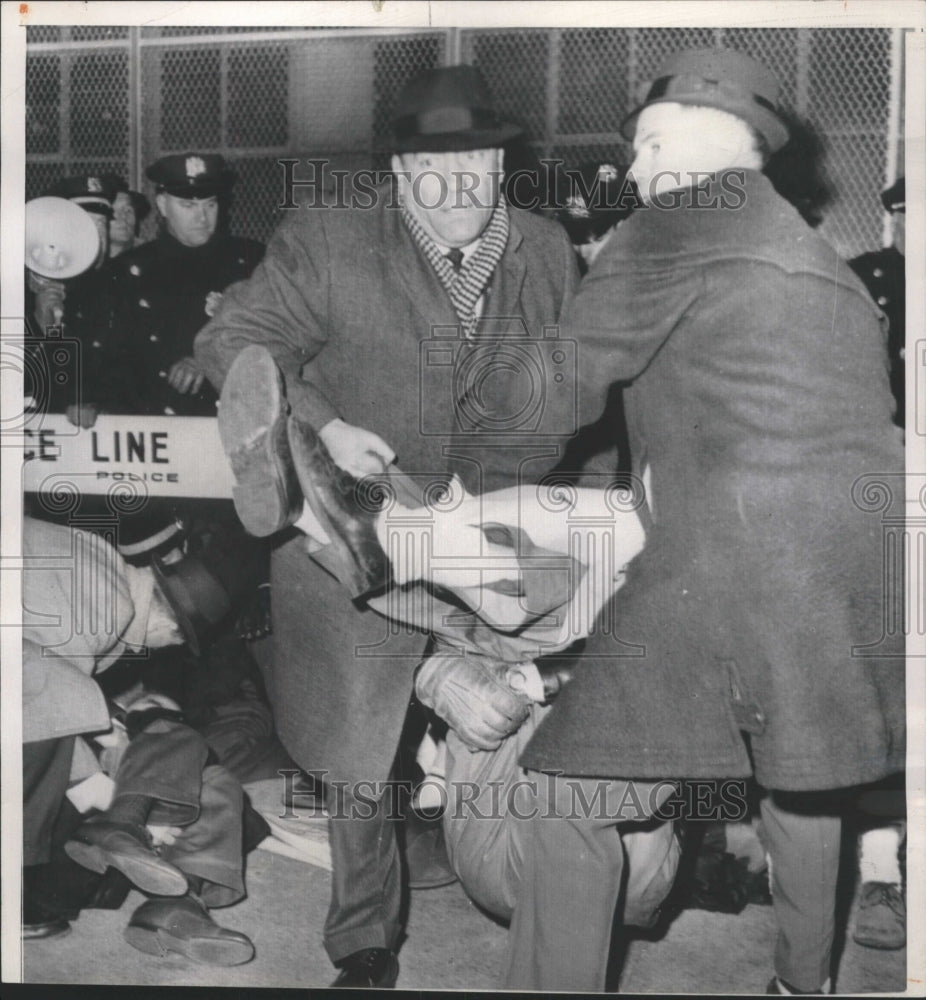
{"x":191,"y":175}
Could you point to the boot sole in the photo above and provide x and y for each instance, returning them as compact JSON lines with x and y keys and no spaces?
{"x":203,"y":950}
{"x":252,"y":427}
{"x":157,"y":879}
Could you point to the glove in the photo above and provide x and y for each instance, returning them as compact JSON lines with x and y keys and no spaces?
{"x":473,"y":699}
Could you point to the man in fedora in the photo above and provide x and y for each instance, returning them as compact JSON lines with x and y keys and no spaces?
{"x":758,"y":401}
{"x":173,"y":820}
{"x":349,"y":303}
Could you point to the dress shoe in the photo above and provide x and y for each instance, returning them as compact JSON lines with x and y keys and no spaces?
{"x":252,"y":427}
{"x":426,"y":853}
{"x":185,"y":927}
{"x":371,"y":968}
{"x":100,"y":844}
{"x":881,"y":919}
{"x":41,"y":924}
{"x":335,"y":499}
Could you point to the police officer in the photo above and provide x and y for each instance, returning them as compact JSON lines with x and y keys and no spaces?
{"x":167,"y":289}
{"x":164,"y":291}
{"x":882,"y":271}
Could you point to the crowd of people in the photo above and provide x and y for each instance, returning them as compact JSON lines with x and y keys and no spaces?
{"x":646,"y":574}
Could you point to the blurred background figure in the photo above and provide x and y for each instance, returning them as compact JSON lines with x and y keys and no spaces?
{"x":130,"y":209}
{"x":882,"y":271}
{"x":798,"y":170}
{"x":597,"y":197}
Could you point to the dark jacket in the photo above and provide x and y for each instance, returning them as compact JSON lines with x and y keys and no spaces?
{"x":161,"y":296}
{"x":883,"y":272}
{"x":349,"y":307}
{"x":759,"y":397}
{"x":69,"y":364}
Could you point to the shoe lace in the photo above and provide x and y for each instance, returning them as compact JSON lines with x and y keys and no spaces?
{"x":886,"y":894}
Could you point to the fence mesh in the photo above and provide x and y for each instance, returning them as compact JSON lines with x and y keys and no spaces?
{"x":295,"y":95}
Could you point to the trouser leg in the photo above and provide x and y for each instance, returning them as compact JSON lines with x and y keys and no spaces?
{"x":46,"y":770}
{"x":211,"y":847}
{"x":165,"y":762}
{"x":803,"y":842}
{"x":568,"y":891}
{"x":366,"y":877}
{"x":546,"y":853}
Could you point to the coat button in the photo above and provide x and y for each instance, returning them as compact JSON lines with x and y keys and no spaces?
{"x":135,"y":270}
{"x":882,"y":300}
{"x":878,"y":273}
{"x":154,"y":338}
{"x":97,"y":344}
{"x":144,"y":303}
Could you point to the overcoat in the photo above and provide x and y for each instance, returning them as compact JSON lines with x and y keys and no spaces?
{"x":759,"y":400}
{"x":350,"y":307}
{"x":82,"y":608}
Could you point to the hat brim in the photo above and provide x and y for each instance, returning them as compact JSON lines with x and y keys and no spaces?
{"x":765,"y":122}
{"x":456,"y":142}
{"x":193,"y":194}
{"x":195,"y":596}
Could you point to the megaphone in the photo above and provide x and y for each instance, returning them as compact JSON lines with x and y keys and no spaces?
{"x":61,"y":239}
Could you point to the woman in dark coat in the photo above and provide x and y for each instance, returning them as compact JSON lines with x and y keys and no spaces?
{"x":758,"y":403}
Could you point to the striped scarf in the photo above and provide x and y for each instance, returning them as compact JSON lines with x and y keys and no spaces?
{"x":465,"y":287}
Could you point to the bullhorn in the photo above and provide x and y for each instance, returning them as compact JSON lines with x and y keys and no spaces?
{"x":61,"y":239}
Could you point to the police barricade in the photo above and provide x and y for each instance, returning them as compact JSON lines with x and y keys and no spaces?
{"x":160,"y":456}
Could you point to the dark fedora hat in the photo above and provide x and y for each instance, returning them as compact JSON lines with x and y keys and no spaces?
{"x":197,"y":597}
{"x":448,"y":109}
{"x":719,"y":78}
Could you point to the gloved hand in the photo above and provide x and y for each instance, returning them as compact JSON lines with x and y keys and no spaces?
{"x":473,"y":698}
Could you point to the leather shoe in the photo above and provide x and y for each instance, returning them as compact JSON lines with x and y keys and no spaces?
{"x":252,"y":427}
{"x":370,"y":968}
{"x":185,"y":927}
{"x":426,"y":853}
{"x":39,"y":923}
{"x":100,"y":844}
{"x":881,"y":919}
{"x":335,"y":499}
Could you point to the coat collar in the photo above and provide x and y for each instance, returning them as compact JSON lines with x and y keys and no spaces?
{"x":410,"y":266}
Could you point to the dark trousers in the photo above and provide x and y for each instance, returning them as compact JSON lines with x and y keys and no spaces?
{"x":169,"y":762}
{"x":46,"y":770}
{"x":366,"y":878}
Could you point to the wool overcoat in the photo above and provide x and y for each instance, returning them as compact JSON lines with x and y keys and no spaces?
{"x":759,"y":400}
{"x":350,"y":308}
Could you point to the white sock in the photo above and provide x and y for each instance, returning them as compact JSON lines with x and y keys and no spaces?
{"x":878,"y":861}
{"x":95,"y":792}
{"x":309,"y":525}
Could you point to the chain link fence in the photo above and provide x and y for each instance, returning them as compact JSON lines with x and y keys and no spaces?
{"x":113,"y":99}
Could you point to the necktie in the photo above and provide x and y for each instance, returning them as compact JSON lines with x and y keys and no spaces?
{"x":455,"y":256}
